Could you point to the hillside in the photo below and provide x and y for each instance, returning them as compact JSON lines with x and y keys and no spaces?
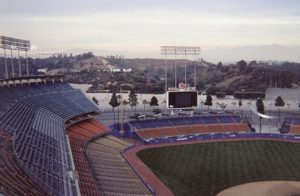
{"x":147,"y":75}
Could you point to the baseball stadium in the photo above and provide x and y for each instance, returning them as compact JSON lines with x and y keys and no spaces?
{"x":56,"y":140}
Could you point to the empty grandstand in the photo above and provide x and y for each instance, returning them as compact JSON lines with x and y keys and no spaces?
{"x":52,"y":145}
{"x":13,"y":181}
{"x":169,"y":127}
{"x":33,"y":116}
{"x":291,"y":125}
{"x":114,"y":176}
{"x":79,"y":135}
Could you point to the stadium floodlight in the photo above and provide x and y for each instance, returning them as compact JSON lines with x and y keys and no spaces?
{"x":14,"y":44}
{"x":180,"y":51}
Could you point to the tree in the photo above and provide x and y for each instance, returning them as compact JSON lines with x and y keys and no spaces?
{"x":119,"y":97}
{"x":252,"y":63}
{"x":223,"y":105}
{"x":125,"y":103}
{"x":217,"y":104}
{"x":123,"y":111}
{"x":250,"y":111}
{"x":249,"y":103}
{"x":260,"y":106}
{"x":260,"y":109}
{"x":240,"y":104}
{"x":208,"y":101}
{"x":144,"y":103}
{"x":202,"y":103}
{"x":219,"y":65}
{"x":154,"y":101}
{"x":114,"y":103}
{"x":132,"y":99}
{"x":95,"y":100}
{"x":242,"y":65}
{"x":279,"y":103}
{"x":156,"y":111}
{"x":233,"y":104}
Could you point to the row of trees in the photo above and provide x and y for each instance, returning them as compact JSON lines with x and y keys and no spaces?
{"x":117,"y":100}
{"x":133,"y":102}
{"x":208,"y":102}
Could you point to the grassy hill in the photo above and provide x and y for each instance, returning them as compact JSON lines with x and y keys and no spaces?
{"x":148,"y":75}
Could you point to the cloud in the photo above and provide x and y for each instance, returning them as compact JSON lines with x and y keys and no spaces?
{"x":82,"y":7}
{"x":143,"y":25}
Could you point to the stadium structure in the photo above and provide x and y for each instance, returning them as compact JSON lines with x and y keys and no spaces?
{"x":53,"y":142}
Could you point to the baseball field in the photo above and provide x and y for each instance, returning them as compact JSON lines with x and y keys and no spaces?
{"x":208,"y":168}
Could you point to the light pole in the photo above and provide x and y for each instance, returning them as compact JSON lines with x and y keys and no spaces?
{"x":250,"y":111}
{"x":179,"y":51}
{"x":122,"y":112}
{"x":12,"y":63}
{"x":14,"y":44}
{"x":5,"y":63}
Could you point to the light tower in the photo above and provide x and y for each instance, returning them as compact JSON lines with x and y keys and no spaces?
{"x":181,"y":97}
{"x":18,"y":45}
{"x":175,"y":51}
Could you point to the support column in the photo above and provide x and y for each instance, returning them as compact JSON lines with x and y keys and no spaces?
{"x":27,"y":70}
{"x":5,"y":63}
{"x":185,"y":69}
{"x":20,"y":71}
{"x":12,"y":63}
{"x":166,"y":73}
{"x":175,"y":66}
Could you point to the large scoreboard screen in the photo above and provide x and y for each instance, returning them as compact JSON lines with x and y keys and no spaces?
{"x":182,"y":99}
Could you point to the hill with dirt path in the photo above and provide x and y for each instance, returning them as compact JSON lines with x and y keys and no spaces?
{"x":147,"y":75}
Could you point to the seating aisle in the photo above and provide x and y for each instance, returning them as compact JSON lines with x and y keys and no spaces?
{"x":113,"y":174}
{"x":79,"y":134}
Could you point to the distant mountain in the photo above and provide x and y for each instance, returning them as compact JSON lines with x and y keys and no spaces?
{"x":225,"y":54}
{"x":248,"y":53}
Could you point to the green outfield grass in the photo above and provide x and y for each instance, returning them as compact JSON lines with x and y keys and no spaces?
{"x":208,"y":168}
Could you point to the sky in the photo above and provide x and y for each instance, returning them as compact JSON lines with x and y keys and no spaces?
{"x":225,"y":30}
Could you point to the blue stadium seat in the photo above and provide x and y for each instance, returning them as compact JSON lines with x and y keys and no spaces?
{"x":210,"y":120}
{"x":185,"y":121}
{"x":36,"y":115}
{"x":296,"y":121}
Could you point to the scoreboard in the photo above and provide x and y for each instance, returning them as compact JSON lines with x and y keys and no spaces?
{"x":182,"y":99}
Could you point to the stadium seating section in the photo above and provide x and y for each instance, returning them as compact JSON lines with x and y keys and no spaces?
{"x":113,"y":174}
{"x":291,"y":125}
{"x":170,"y":127}
{"x":13,"y":181}
{"x":34,"y":115}
{"x":79,"y":134}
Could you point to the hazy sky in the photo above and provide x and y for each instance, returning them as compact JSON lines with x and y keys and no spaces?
{"x":136,"y":28}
